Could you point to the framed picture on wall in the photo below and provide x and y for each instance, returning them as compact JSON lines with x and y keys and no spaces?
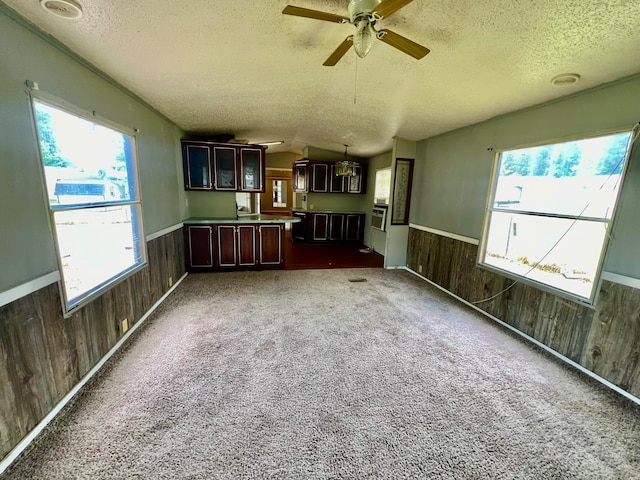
{"x":402,"y":191}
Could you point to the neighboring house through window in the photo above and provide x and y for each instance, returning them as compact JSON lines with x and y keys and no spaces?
{"x":94,"y":202}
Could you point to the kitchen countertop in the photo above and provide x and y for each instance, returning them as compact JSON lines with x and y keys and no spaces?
{"x":353,"y":212}
{"x":242,"y":219}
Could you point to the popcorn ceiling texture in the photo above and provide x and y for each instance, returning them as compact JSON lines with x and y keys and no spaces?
{"x":303,"y":374}
{"x":242,"y":67}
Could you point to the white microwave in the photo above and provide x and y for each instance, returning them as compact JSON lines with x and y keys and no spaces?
{"x":379,"y":217}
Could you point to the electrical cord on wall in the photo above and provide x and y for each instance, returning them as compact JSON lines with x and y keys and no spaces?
{"x":634,"y":137}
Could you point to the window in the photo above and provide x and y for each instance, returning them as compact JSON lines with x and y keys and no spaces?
{"x":550,"y":210}
{"x":90,"y":175}
{"x":383,"y":186}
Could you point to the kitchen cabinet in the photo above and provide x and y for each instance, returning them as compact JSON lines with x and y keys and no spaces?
{"x":320,"y":226}
{"x":299,"y":230}
{"x":301,"y":177}
{"x":319,"y":177}
{"x":357,"y":183}
{"x":354,"y":227}
{"x":270,"y":245}
{"x":337,"y":183}
{"x":197,"y":167}
{"x":223,"y":167}
{"x":336,"y":227}
{"x":234,"y":246}
{"x":328,"y":227}
{"x":199,"y":247}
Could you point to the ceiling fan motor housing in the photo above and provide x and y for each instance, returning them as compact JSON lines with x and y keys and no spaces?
{"x":358,"y":8}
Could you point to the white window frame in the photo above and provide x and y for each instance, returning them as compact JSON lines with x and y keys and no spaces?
{"x":609,"y":223}
{"x":135,"y":200}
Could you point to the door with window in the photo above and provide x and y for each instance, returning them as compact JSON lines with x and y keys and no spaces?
{"x":278,"y":196}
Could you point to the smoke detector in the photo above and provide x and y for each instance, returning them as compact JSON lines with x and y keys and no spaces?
{"x":62,"y":8}
{"x":565,"y":80}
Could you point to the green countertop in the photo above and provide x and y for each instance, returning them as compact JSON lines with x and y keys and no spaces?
{"x":242,"y":219}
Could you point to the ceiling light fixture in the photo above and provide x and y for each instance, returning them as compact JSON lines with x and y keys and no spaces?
{"x":69,"y":9}
{"x":345,"y":168}
{"x":363,"y":39}
{"x":565,"y":80}
{"x":269,"y":144}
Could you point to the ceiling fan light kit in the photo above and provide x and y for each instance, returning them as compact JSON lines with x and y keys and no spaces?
{"x":364,"y":15}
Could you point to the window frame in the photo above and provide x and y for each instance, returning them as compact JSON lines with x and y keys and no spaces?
{"x":135,"y":200}
{"x":489,"y":209}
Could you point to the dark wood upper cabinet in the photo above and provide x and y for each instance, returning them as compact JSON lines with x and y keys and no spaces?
{"x":319,"y":177}
{"x":357,"y":183}
{"x":301,"y":177}
{"x":197,"y":167}
{"x":336,"y":182}
{"x":251,"y":168}
{"x":223,"y":167}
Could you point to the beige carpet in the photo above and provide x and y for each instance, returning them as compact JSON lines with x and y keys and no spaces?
{"x":306,"y":375}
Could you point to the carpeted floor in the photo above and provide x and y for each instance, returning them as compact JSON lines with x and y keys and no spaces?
{"x":306,"y":375}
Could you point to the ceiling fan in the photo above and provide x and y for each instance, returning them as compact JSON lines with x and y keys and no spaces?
{"x":364,"y":14}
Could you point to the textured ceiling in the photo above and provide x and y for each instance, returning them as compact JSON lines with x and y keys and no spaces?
{"x":242,"y":67}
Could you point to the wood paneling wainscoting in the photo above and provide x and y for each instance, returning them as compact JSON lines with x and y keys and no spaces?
{"x":43,"y":355}
{"x":604,"y":340}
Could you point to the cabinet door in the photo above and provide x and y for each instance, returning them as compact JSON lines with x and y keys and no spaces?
{"x":246,"y":245}
{"x":355,"y":184}
{"x":199,"y":247}
{"x":336,"y":227}
{"x":337,"y":183}
{"x":251,"y":168}
{"x":300,"y":177}
{"x":354,"y":228}
{"x":197,"y":167}
{"x":270,"y":244}
{"x":299,"y":230}
{"x":224,"y":167}
{"x":319,"y":177}
{"x":226,"y":245}
{"x":320,"y":226}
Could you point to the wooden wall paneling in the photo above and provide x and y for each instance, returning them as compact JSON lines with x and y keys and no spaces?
{"x":37,"y":363}
{"x":605,"y":340}
{"x":43,"y":355}
{"x":613,"y":344}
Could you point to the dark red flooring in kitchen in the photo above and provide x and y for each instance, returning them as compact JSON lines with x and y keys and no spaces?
{"x":303,"y":256}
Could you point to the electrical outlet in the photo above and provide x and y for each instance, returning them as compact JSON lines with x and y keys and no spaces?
{"x":420,"y":268}
{"x":170,"y":281}
{"x":311,"y":207}
{"x":125,"y":325}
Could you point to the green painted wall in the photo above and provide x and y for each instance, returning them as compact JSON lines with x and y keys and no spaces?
{"x":282,"y":159}
{"x":453,"y":171}
{"x":26,"y":243}
{"x":211,"y":204}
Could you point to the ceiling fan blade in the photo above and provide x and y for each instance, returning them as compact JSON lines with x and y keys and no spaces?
{"x":339,"y":52}
{"x":388,"y":7}
{"x":402,"y":43}
{"x":315,"y":14}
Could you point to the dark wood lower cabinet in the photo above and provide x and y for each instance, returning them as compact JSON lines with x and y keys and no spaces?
{"x":270,"y":244}
{"x":319,"y":227}
{"x":198,"y":246}
{"x":234,"y":246}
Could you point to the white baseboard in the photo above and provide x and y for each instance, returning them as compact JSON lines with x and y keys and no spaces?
{"x":605,"y":382}
{"x":30,"y":437}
